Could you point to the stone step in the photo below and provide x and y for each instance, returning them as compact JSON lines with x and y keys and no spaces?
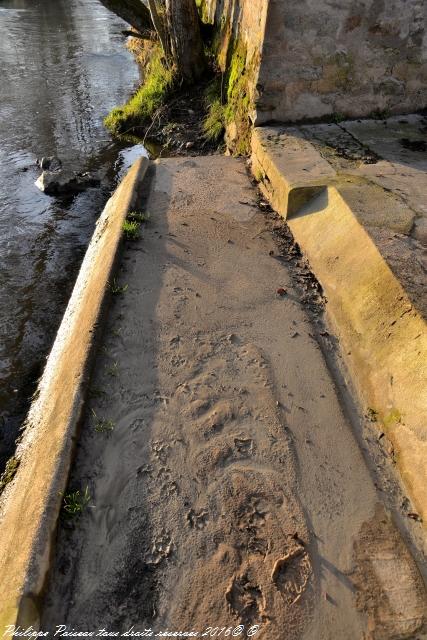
{"x":342,"y":189}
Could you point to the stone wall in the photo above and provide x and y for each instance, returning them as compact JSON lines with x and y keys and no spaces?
{"x":346,"y":57}
{"x":317,"y":58}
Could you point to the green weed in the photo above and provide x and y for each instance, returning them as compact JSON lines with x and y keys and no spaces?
{"x":137,"y":216}
{"x":337,"y":117}
{"x":380,"y":114}
{"x":113,"y":369}
{"x":102,"y":425}
{"x":214,"y":123}
{"x":74,"y":502}
{"x":131,"y":229}
{"x":116,"y":289}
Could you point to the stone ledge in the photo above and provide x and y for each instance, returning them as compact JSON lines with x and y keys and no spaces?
{"x":381,"y":330}
{"x":285,"y":158}
{"x":30,"y":504}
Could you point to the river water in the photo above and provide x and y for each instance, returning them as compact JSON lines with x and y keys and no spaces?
{"x":63,"y":66}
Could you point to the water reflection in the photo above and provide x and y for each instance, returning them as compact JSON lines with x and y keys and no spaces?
{"x":63,"y":67}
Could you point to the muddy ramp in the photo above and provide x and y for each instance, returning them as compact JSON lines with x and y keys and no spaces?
{"x":226,"y":487}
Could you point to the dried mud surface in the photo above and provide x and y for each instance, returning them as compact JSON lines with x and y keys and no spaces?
{"x":228,"y":488}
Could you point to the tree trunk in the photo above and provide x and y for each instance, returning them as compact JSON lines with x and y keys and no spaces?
{"x":134,"y":12}
{"x":160,"y":27}
{"x":186,"y":39}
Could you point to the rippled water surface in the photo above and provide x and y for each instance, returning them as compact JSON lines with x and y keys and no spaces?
{"x":63,"y":66}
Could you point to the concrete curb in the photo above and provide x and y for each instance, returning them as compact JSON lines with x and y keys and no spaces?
{"x":383,"y":336}
{"x":30,"y":504}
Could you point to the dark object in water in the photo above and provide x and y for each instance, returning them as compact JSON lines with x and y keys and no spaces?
{"x":49,"y":163}
{"x":413,"y":145}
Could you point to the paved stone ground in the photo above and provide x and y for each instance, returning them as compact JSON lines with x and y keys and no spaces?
{"x":227,"y":486}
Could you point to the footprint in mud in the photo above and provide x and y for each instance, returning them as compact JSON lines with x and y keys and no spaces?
{"x":161,"y":549}
{"x":245,"y":446}
{"x":254,"y":512}
{"x":245,"y":600}
{"x":197,"y":408}
{"x":160,"y":450}
{"x":224,"y":413}
{"x":145,"y":469}
{"x":178,"y":361}
{"x":291,"y":574}
{"x":251,"y":519}
{"x":198,"y":520}
{"x":213,"y":458}
{"x":169,"y":486}
{"x":170,"y":489}
{"x":137,"y":424}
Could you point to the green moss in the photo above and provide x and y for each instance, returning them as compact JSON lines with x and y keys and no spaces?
{"x":258,"y":175}
{"x":229,"y":100}
{"x":236,"y":70}
{"x":238,"y":97}
{"x":394,"y":417}
{"x":214,"y":123}
{"x":336,"y":117}
{"x":203,"y":10}
{"x":380,"y":114}
{"x":9,"y":472}
{"x":149,"y":97}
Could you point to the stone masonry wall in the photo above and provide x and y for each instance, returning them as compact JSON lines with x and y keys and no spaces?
{"x":346,"y":57}
{"x":239,"y":21}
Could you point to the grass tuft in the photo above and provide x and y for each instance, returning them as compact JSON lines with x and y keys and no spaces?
{"x":102,"y":425}
{"x":74,"y":502}
{"x":116,"y":289}
{"x":131,"y":229}
{"x":214,"y":124}
{"x":113,"y":369}
{"x":138,"y":216}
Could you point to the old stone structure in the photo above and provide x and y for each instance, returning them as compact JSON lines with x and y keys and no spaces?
{"x":320,"y":58}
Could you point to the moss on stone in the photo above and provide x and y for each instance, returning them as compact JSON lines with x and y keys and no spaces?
{"x":228,"y":101}
{"x":239,"y":101}
{"x":9,"y":472}
{"x":392,"y":418}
